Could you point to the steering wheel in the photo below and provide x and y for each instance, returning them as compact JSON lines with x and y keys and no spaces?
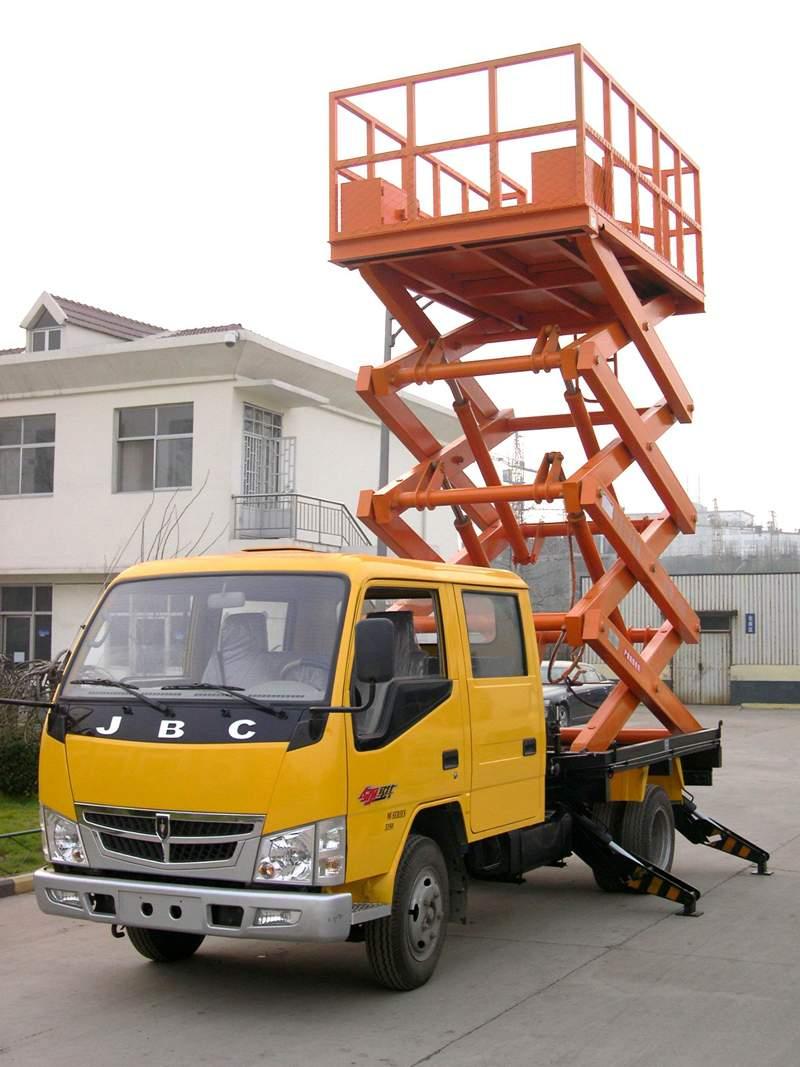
{"x":307,"y":669}
{"x":100,"y":672}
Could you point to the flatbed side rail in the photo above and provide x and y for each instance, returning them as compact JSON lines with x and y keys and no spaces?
{"x":619,"y":757}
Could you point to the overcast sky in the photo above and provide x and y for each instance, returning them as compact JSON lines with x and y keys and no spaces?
{"x":168,"y":160}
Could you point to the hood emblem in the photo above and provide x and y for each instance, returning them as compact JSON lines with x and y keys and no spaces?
{"x":162,"y":826}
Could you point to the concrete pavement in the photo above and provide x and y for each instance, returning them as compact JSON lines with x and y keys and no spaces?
{"x":552,"y":972}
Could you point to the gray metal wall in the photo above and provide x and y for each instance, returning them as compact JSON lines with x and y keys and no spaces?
{"x":763,"y":666}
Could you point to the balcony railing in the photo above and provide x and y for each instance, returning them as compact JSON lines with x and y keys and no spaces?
{"x":326,"y":524}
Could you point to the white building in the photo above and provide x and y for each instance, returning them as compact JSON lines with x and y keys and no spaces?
{"x":735,"y":534}
{"x":121,"y":441}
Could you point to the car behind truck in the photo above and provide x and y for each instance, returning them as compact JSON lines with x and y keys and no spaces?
{"x":309,"y":747}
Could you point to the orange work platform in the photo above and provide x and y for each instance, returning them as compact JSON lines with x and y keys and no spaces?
{"x":536,"y":198}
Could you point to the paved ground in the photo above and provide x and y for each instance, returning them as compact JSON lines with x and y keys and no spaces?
{"x":551,"y":972}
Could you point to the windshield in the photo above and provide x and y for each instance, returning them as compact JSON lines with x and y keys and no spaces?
{"x":270,"y":636}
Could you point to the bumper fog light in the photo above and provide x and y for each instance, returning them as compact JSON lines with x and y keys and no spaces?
{"x":276,"y":917}
{"x":65,"y":896}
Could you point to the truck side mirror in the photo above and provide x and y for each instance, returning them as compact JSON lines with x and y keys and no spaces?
{"x":374,"y":658}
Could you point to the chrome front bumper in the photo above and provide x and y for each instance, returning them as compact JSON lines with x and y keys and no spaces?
{"x":197,"y":909}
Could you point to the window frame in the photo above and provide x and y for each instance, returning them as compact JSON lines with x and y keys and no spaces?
{"x":415,"y":592}
{"x":491,"y":592}
{"x":46,"y":331}
{"x":432,"y":689}
{"x":30,"y":445}
{"x":155,"y":437}
{"x":31,"y":615}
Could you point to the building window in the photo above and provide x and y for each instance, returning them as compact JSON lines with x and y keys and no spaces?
{"x":154,"y":447}
{"x":26,"y":622}
{"x":45,"y":340}
{"x":45,"y":333}
{"x":27,"y":454}
{"x":267,"y":457}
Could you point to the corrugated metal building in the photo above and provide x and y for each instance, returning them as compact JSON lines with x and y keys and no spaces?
{"x":749,"y":649}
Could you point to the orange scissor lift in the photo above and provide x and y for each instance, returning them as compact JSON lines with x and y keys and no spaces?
{"x":573,"y":238}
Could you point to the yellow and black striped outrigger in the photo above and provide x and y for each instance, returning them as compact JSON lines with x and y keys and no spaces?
{"x":701,"y":830}
{"x":596,"y":847}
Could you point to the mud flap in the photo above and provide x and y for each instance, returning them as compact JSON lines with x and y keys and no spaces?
{"x":597,"y":848}
{"x":701,"y":830}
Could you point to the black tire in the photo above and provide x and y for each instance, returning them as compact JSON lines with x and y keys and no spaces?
{"x":646,"y":829}
{"x":163,"y":946}
{"x":404,"y":948}
{"x":610,"y":815}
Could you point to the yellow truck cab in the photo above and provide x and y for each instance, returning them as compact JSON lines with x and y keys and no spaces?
{"x":219,"y":796}
{"x":308,"y":746}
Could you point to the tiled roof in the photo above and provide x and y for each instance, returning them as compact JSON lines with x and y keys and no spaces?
{"x":120,"y":327}
{"x":92,"y":318}
{"x":204,"y":329}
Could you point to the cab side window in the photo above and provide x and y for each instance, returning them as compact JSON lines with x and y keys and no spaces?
{"x":494,"y":627}
{"x":420,"y":674}
{"x":414,"y":614}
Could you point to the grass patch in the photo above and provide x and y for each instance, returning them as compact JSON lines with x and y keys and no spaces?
{"x":18,"y":855}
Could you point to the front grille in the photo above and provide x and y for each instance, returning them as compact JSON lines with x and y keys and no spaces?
{"x":136,"y":824}
{"x":168,"y":840}
{"x":202,"y":853}
{"x":190,"y":828}
{"x":133,"y":846}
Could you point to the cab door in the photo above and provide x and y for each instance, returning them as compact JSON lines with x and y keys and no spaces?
{"x":409,"y":748}
{"x":505,"y":710}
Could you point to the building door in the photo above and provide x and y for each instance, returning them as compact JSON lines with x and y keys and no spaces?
{"x":715,"y":660}
{"x":701,"y":672}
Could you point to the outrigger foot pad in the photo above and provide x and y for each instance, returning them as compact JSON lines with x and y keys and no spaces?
{"x":701,"y":830}
{"x":596,"y":847}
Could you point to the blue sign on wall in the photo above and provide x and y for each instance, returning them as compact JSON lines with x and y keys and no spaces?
{"x":749,"y":622}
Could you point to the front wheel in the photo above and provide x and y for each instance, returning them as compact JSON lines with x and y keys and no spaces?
{"x":404,"y":948}
{"x":163,"y":946}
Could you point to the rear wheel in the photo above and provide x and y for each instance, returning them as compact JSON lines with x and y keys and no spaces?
{"x":163,"y":946}
{"x":404,"y":948}
{"x":647,"y":829}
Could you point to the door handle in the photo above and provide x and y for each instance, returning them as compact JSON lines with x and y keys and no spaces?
{"x":529,"y":746}
{"x":450,"y":759}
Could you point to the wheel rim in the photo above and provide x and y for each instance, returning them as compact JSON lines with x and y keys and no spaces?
{"x":562,"y":714}
{"x":660,"y":839}
{"x":425,"y":914}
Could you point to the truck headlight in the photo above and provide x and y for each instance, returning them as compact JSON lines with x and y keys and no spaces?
{"x":305,"y":855}
{"x":62,"y":839}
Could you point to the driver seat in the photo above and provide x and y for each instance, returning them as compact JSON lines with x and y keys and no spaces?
{"x":242,"y":658}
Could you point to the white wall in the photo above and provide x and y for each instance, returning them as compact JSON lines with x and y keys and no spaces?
{"x":83,"y":525}
{"x":72,"y":604}
{"x":337,"y":457}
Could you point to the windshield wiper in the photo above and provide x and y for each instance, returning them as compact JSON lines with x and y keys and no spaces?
{"x":133,"y":689}
{"x":233,"y":691}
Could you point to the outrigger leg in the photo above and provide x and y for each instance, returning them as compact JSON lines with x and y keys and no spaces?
{"x":701,"y":830}
{"x":597,"y":848}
